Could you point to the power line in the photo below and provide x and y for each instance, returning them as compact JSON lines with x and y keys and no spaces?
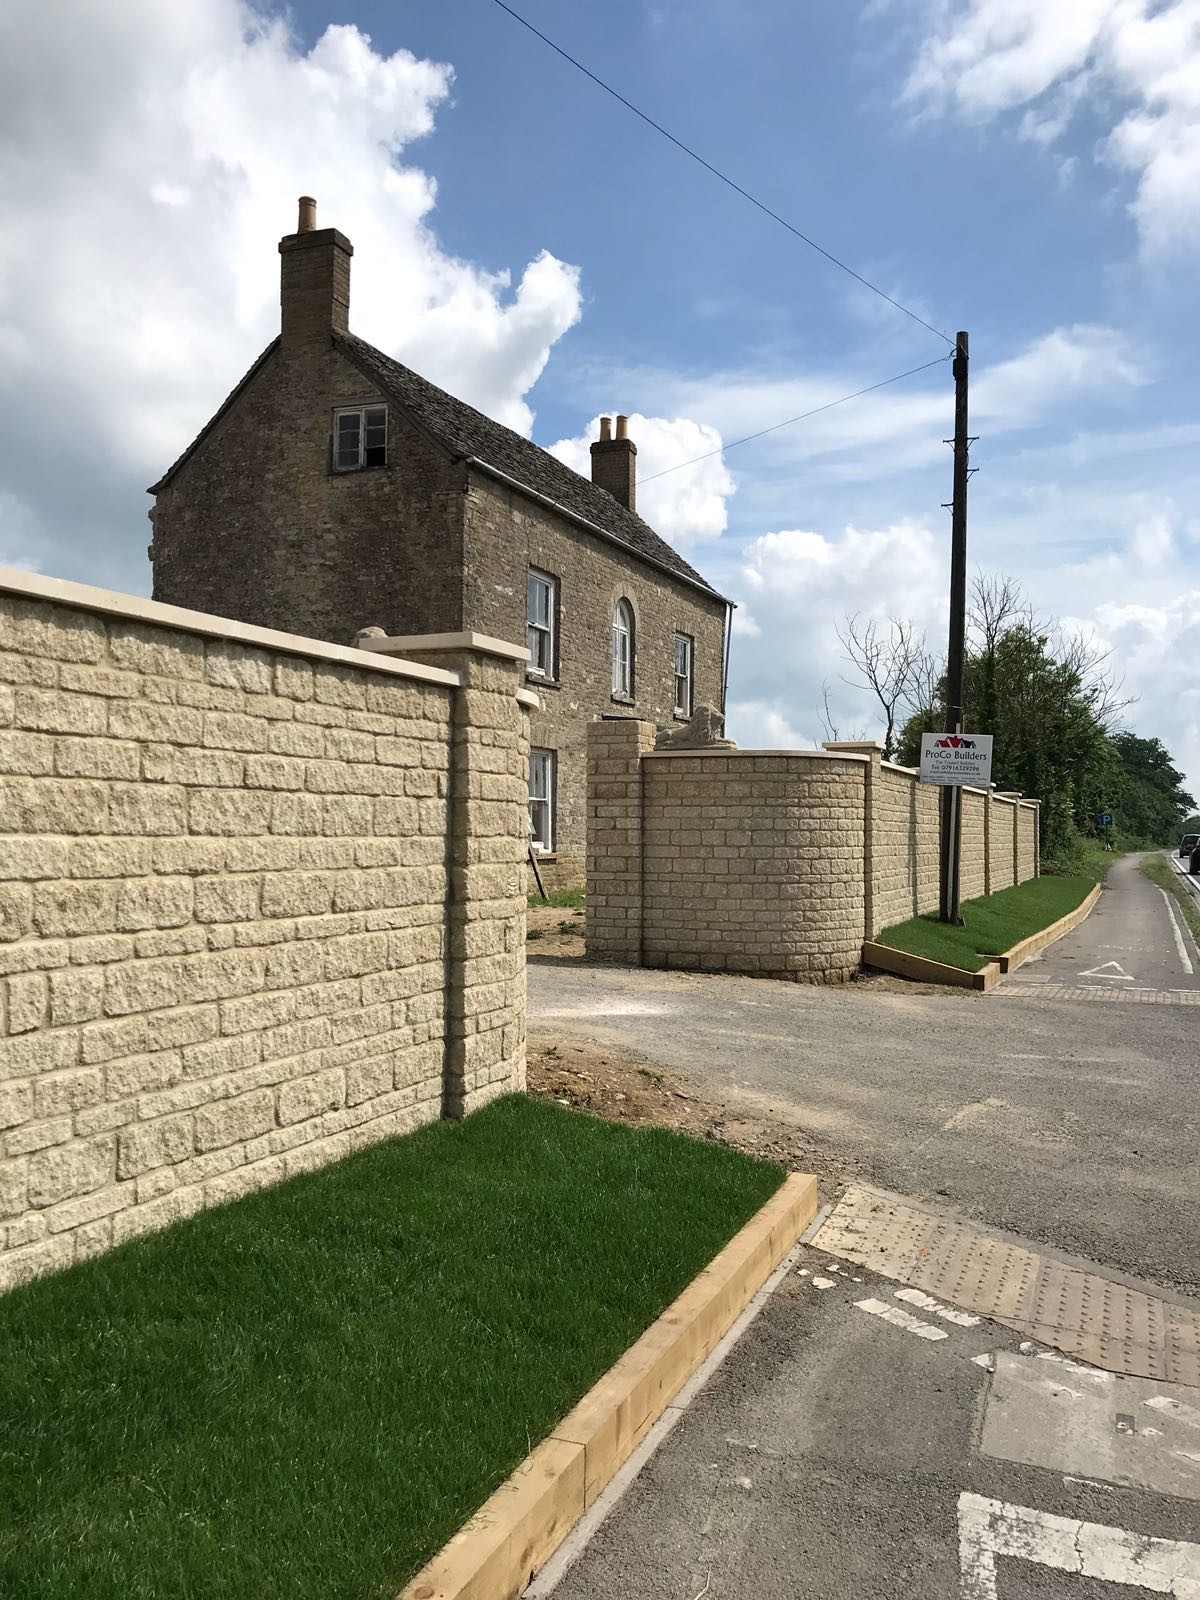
{"x":775,"y":426}
{"x":717,"y":173}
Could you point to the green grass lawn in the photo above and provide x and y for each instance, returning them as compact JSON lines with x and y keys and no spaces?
{"x":305,"y":1393}
{"x":992,"y":924}
{"x":575,"y":898}
{"x":1159,"y":870}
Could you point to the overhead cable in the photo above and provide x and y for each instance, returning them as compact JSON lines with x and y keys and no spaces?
{"x":717,"y":173}
{"x":804,"y":415}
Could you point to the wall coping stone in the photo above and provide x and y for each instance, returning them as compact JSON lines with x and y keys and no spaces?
{"x":866,"y":746}
{"x":737,"y":755}
{"x":410,"y":644}
{"x":132,"y":608}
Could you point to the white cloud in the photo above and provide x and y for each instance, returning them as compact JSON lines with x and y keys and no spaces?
{"x":1137,"y":61}
{"x":800,"y":586}
{"x":687,"y":507}
{"x":150,"y":156}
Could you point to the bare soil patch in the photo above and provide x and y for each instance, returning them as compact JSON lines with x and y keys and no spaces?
{"x":623,"y":1085}
{"x":555,"y":931}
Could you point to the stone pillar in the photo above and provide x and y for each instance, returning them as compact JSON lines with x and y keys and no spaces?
{"x":614,"y":838}
{"x":487,"y":850}
{"x":987,"y":838}
{"x":873,"y":750}
{"x":1015,"y":795}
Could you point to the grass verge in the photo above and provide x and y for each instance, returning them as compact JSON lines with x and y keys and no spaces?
{"x":991,"y":924}
{"x":575,"y":898}
{"x":305,"y":1393}
{"x":1160,"y":871}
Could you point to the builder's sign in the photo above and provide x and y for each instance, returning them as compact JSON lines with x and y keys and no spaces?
{"x":956,"y":758}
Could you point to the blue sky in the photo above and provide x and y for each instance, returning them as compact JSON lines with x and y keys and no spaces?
{"x":1027,"y":171}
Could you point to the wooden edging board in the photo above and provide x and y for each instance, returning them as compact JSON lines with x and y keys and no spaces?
{"x":904,"y":965}
{"x":922,"y":970}
{"x":494,"y":1555}
{"x":1011,"y":959}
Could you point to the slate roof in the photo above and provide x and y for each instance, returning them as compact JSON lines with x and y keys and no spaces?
{"x":468,"y":432}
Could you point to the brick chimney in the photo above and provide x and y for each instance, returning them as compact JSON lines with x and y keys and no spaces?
{"x":614,"y":462}
{"x":314,"y":279}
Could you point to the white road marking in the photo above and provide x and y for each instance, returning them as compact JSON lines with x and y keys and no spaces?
{"x":1179,"y":944}
{"x":918,"y":1297}
{"x":1120,"y":975}
{"x":902,"y":1319}
{"x":991,"y":1528}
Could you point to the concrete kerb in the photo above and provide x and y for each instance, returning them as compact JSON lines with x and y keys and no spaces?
{"x":515,"y":1532}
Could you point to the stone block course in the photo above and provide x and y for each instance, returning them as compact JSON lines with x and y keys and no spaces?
{"x":225,"y":919}
{"x":779,"y":864}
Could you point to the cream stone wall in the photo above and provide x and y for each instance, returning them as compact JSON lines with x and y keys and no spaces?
{"x":261,"y":903}
{"x":779,"y":863}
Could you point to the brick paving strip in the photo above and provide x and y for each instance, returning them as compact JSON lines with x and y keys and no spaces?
{"x":1070,"y":991}
{"x":1112,"y":1322}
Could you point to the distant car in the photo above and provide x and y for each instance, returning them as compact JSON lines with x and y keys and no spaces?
{"x":1188,"y":843}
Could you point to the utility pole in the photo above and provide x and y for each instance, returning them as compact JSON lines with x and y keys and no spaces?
{"x":952,"y":794}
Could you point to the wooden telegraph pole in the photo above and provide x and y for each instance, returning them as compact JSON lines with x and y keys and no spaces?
{"x":952,"y":794}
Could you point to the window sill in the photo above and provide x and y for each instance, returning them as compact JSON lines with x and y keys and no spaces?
{"x":542,"y":682}
{"x":354,"y":472}
{"x":544,"y":855}
{"x":623,"y":700}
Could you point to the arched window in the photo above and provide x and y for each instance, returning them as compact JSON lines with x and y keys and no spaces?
{"x":622,"y":648}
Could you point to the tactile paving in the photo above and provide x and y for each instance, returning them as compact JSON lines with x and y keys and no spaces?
{"x":1100,"y":1319}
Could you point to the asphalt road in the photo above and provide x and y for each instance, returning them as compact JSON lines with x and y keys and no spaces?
{"x":856,"y":1445}
{"x":829,"y":1456}
{"x":1075,"y":1123}
{"x":1134,"y":939}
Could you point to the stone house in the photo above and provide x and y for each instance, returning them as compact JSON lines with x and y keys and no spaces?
{"x":336,"y":489}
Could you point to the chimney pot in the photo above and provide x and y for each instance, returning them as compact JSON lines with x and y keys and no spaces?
{"x":614,"y":462}
{"x":314,"y":283}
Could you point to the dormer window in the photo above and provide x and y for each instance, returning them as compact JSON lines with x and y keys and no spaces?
{"x":360,"y":438}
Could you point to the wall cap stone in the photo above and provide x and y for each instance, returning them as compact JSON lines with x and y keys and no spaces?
{"x":712,"y":751}
{"x":866,"y":746}
{"x":410,"y":644}
{"x":132,"y":608}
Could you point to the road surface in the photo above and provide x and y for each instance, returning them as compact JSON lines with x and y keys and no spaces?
{"x":1073,"y":1121}
{"x":859,"y":1446}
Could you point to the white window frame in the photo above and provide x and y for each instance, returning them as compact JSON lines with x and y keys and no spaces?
{"x":622,"y":650}
{"x":543,"y":771}
{"x":541,"y":635}
{"x":683,"y":704}
{"x":362,"y":413}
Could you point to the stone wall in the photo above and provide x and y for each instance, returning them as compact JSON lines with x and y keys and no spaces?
{"x":507,"y":533}
{"x":779,"y":863}
{"x":261,"y":903}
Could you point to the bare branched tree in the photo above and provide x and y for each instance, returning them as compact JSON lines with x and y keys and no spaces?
{"x":1090,"y":664}
{"x":996,"y":604}
{"x":886,"y":657}
{"x":832,"y":730}
{"x":923,"y":692}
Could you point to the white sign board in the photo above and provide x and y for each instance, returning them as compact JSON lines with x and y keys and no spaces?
{"x":956,"y":758}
